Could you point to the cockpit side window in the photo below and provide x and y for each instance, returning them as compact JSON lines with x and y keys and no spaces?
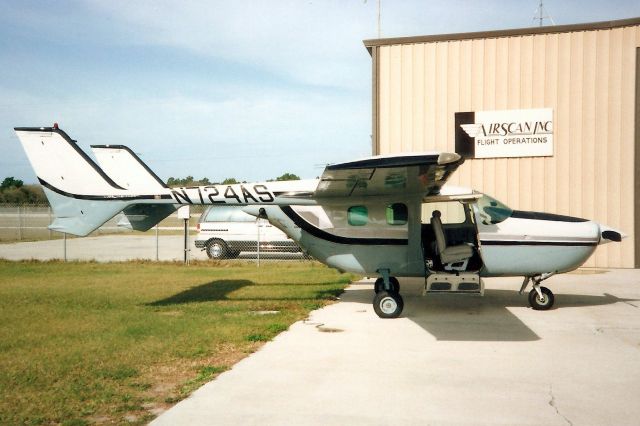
{"x":492,"y":211}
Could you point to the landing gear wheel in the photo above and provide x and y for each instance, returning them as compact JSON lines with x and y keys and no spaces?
{"x":388,"y":305}
{"x":379,"y":285}
{"x":541,"y":304}
{"x":217,"y":249}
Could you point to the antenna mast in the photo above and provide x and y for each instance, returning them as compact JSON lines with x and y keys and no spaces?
{"x":540,"y":15}
{"x":379,"y":19}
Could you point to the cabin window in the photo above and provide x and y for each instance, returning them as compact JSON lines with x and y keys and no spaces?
{"x":397,"y":214}
{"x":357,"y":215}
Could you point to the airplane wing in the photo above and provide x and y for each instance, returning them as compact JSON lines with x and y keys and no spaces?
{"x":418,"y":173}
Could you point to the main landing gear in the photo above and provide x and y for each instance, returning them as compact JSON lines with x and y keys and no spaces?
{"x":379,"y":285}
{"x":387,"y":303}
{"x":540,"y":298}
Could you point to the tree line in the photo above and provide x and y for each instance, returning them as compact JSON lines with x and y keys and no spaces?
{"x":190,"y":181}
{"x":14,"y":191}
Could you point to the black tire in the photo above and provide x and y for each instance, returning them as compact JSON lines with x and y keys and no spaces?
{"x":541,"y":304}
{"x":388,"y":305}
{"x":217,"y":249}
{"x":379,"y":285}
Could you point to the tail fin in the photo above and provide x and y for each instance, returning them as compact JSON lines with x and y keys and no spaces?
{"x":59,"y":163}
{"x":126,"y":168}
{"x":81,"y":194}
{"x":130,"y":172}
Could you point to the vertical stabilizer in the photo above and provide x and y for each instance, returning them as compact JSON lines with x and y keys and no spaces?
{"x":126,"y":168}
{"x":61,"y":165}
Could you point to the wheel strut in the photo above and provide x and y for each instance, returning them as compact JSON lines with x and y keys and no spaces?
{"x":386,"y":282}
{"x":536,"y":280}
{"x":385,"y":277}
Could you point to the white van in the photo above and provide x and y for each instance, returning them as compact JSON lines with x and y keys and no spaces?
{"x":225,"y":231}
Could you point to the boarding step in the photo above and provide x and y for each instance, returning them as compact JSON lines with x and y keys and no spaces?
{"x":454,"y":283}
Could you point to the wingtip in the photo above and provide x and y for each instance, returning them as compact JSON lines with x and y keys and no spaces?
{"x":448,"y":157}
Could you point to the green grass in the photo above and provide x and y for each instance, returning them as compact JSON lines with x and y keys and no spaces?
{"x":88,"y":343}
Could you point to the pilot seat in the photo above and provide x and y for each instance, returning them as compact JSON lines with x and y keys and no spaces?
{"x":452,"y":257}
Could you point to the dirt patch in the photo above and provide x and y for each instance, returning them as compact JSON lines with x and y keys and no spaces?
{"x":174,"y":382}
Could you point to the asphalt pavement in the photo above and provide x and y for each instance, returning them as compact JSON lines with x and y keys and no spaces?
{"x":449,"y":360}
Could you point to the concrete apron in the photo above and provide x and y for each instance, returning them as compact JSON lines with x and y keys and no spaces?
{"x":448,"y":360}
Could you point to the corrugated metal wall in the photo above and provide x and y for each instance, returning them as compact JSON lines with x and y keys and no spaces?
{"x":587,"y":77}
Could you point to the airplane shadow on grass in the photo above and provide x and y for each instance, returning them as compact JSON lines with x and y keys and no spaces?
{"x":212,"y":291}
{"x":451,"y":317}
{"x":220,"y":290}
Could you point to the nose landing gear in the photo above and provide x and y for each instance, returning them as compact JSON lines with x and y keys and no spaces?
{"x":542,"y":301}
{"x":540,"y":298}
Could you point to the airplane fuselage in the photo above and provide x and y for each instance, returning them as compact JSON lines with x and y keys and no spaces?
{"x":522,"y":243}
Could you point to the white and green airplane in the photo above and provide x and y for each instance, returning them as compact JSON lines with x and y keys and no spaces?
{"x":384,"y":216}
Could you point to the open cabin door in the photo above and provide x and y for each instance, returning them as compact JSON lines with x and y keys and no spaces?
{"x":456,"y":249}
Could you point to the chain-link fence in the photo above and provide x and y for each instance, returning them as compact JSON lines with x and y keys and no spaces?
{"x":25,"y":222}
{"x":29,"y":223}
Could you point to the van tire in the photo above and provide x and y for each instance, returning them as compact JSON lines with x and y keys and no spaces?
{"x":217,"y":249}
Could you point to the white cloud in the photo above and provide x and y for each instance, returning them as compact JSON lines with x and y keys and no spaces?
{"x":318,"y":43}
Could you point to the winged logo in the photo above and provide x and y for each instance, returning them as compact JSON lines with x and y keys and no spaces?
{"x":472,"y":129}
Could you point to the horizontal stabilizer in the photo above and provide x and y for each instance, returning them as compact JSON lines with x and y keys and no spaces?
{"x":142,"y":217}
{"x":80,"y":217}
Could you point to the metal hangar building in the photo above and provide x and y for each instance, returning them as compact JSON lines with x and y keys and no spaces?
{"x":547,"y":117}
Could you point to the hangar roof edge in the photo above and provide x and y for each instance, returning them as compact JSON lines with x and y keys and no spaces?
{"x":550,"y":29}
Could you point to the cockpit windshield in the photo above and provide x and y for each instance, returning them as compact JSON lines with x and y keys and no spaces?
{"x":492,"y":211}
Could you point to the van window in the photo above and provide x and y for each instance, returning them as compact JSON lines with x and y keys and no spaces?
{"x":228,"y":214}
{"x":357,"y":215}
{"x":397,"y":214}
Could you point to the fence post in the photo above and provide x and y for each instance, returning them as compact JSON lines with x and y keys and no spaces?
{"x":50,"y":233}
{"x":19,"y":224}
{"x":157,"y":244}
{"x":65,"y":246}
{"x":185,"y":214}
{"x":258,"y":251}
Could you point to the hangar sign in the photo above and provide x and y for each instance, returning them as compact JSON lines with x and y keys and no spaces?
{"x":507,"y":133}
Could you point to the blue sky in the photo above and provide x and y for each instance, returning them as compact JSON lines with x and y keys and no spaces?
{"x":244,"y":89}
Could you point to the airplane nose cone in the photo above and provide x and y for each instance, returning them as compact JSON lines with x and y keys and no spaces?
{"x":608,"y":234}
